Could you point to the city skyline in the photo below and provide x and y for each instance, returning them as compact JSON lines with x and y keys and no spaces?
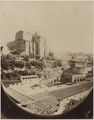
{"x":67,"y":26}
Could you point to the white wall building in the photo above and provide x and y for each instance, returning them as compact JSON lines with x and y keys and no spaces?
{"x":30,"y":79}
{"x":42,"y":47}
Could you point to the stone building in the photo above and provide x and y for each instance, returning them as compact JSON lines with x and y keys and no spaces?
{"x":22,"y":43}
{"x":33,"y":45}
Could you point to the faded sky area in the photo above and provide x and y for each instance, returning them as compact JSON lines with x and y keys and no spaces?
{"x":67,"y":26}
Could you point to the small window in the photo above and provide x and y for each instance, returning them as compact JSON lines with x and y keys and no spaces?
{"x":74,"y":80}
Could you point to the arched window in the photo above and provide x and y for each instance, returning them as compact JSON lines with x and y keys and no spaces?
{"x":74,"y":80}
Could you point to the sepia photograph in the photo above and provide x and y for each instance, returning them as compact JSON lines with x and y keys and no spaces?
{"x":46,"y":51}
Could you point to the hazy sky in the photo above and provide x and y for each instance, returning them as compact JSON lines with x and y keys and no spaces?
{"x":67,"y":26}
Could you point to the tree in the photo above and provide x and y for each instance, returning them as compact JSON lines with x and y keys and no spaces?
{"x":7,"y":62}
{"x":59,"y":63}
{"x":16,"y":51}
{"x":51,"y":54}
{"x":19,"y":64}
{"x":26,"y":57}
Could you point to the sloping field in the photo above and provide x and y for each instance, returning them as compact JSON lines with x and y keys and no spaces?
{"x":70,"y":91}
{"x":39,"y":95}
{"x":59,"y":93}
{"x":47,"y":105}
{"x":18,"y":96}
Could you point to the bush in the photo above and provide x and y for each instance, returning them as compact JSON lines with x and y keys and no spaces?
{"x":7,"y":62}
